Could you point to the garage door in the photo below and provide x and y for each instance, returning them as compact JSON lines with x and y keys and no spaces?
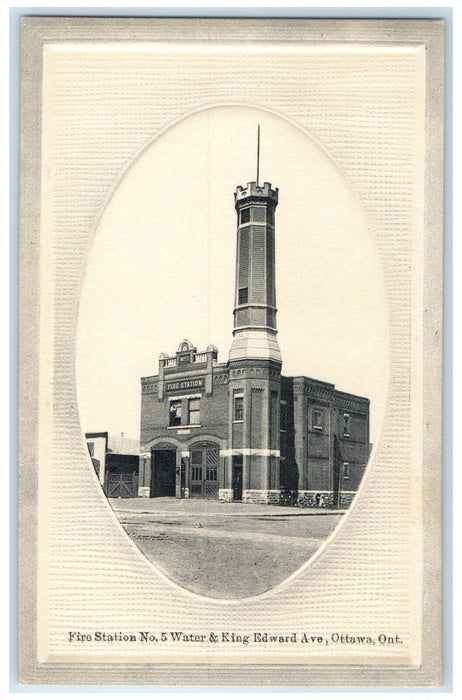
{"x":122,"y":484}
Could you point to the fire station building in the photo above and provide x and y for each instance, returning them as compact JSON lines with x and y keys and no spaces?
{"x":240,"y":430}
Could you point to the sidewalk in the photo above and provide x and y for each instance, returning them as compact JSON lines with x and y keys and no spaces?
{"x":211,"y":508}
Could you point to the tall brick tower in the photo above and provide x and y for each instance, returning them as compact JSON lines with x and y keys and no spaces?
{"x":254,"y":359}
{"x":255,"y":299}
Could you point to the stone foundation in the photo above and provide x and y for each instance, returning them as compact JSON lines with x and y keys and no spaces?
{"x":305,"y":499}
{"x":261,"y":496}
{"x":315,"y":499}
{"x":346,"y":499}
{"x":323,"y":499}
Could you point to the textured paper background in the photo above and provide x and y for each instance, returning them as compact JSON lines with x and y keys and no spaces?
{"x":366,"y":105}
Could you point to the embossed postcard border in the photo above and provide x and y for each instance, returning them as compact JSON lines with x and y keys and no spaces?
{"x":39,"y":31}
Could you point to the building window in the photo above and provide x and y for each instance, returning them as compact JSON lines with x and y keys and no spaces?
{"x":196,"y":465}
{"x":283,"y":416}
{"x":196,"y":473}
{"x":346,"y":425}
{"x":194,"y":411}
{"x":238,"y":408}
{"x":91,"y":448}
{"x":346,"y":470}
{"x":211,"y":473}
{"x":243,"y":295}
{"x":175,"y":413}
{"x":317,"y":420}
{"x":245,"y":215}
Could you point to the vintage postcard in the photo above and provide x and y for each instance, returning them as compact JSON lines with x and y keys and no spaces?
{"x":230,"y":352}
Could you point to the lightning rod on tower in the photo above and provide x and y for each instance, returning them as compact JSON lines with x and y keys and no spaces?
{"x":258,"y":153}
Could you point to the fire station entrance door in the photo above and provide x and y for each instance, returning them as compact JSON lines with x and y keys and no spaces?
{"x":163,"y":473}
{"x":205,"y":459}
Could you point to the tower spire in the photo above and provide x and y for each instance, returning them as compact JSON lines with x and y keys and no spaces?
{"x":258,"y":153}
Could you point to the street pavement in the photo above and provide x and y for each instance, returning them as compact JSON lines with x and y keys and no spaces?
{"x":224,"y":550}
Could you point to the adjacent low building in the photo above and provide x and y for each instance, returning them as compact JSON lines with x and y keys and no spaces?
{"x":240,"y":430}
{"x":116,"y":462}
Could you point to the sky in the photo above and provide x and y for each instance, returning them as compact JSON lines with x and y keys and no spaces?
{"x":162,"y":263}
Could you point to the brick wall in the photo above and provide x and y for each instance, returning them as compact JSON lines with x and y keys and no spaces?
{"x":155,"y":414}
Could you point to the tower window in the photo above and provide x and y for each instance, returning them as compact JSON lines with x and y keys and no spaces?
{"x":316,"y":421}
{"x":283,"y":419}
{"x":346,"y":470}
{"x":194,"y":411}
{"x":175,"y":413}
{"x":346,"y":425}
{"x":245,"y":215}
{"x":243,"y":295}
{"x":238,"y":408}
{"x":259,"y":214}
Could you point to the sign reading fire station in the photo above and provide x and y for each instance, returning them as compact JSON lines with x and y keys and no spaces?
{"x":185,"y":384}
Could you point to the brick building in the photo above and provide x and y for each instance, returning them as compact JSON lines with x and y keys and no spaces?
{"x":241,"y":430}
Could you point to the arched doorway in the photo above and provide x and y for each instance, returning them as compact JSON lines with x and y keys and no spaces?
{"x":204,"y":464}
{"x":163,"y":471}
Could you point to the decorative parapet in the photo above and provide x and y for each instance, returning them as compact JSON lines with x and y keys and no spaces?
{"x":351,"y":402}
{"x":313,"y":387}
{"x":186,"y":358}
{"x":187,"y":355}
{"x":254,"y":191}
{"x":324,"y":390}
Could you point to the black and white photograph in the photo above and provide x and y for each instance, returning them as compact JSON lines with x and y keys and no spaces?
{"x":233,"y":439}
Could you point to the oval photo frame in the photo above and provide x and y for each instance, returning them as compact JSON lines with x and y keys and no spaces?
{"x":160,"y":281}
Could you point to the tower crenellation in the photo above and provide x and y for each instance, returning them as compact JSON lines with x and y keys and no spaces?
{"x":253,"y":189}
